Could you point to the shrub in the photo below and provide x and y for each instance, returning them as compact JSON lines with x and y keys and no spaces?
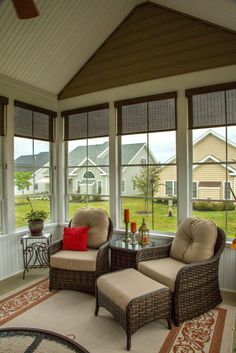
{"x":213,"y":206}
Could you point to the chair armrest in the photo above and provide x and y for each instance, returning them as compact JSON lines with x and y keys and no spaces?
{"x":54,"y":247}
{"x":154,"y":253}
{"x":194,"y":275}
{"x":102,"y":263}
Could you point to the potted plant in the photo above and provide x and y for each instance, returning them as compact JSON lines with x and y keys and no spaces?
{"x":35,"y":219}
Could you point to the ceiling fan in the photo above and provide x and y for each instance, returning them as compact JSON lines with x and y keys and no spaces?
{"x":25,"y":9}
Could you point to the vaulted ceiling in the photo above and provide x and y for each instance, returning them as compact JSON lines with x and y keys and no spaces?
{"x":49,"y":50}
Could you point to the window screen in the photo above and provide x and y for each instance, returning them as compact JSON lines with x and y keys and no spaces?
{"x":3,"y":103}
{"x":86,"y":122}
{"x":33,"y":122}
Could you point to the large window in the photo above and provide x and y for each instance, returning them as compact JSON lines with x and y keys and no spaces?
{"x":147,"y":136}
{"x":87,"y":158}
{"x":212,"y":118}
{"x":32,"y":160}
{"x":3,"y":104}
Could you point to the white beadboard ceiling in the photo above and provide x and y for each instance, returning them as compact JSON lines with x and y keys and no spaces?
{"x":48,"y":51}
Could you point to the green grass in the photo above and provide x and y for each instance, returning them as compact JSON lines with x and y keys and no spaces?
{"x":161,"y":221}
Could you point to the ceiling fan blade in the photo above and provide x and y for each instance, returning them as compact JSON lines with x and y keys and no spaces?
{"x":25,"y":9}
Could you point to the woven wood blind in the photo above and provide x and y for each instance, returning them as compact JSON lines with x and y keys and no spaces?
{"x":86,"y":122}
{"x":34,"y":122}
{"x":147,"y":114}
{"x":3,"y":103}
{"x":212,"y":106}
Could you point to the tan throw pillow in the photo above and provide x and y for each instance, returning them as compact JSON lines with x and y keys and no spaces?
{"x":98,"y":222}
{"x":194,"y":240}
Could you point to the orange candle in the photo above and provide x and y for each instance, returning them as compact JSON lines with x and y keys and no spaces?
{"x":133,"y":227}
{"x":126,"y":215}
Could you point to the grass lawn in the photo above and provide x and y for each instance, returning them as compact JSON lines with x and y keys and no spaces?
{"x":161,"y":221}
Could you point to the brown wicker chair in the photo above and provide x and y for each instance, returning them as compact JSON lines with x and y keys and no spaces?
{"x":60,"y":278}
{"x":196,"y":286}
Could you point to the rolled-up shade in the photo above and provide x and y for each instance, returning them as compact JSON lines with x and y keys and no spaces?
{"x":147,"y":114}
{"x":87,"y":122}
{"x":3,"y":103}
{"x":34,"y":122}
{"x":212,"y":106}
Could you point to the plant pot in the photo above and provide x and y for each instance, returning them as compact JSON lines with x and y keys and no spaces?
{"x":36,"y":227}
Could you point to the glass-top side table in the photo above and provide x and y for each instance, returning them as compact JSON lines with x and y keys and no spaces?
{"x":123,"y":254}
{"x":35,"y":250}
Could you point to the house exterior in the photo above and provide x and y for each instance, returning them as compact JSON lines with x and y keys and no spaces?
{"x":209,"y":176}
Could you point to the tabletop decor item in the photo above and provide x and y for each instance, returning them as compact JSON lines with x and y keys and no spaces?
{"x":133,"y":228}
{"x":143,"y":234}
{"x":35,"y":219}
{"x":127,"y":238}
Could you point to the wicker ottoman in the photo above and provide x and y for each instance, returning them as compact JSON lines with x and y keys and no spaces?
{"x":134,"y":299}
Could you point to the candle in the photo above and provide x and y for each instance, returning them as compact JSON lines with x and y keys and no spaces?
{"x":133,"y":227}
{"x":126,"y":215}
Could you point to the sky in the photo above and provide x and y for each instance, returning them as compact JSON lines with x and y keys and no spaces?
{"x":162,"y":144}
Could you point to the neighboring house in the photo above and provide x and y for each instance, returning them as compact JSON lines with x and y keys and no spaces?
{"x":88,"y":169}
{"x":209,"y":180}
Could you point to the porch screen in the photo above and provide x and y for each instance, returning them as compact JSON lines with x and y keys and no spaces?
{"x":212,"y":106}
{"x":146,"y":114}
{"x":34,"y":122}
{"x":3,"y":103}
{"x":87,"y":122}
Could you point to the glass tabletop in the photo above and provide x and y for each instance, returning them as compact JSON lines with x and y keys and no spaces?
{"x":127,"y":245}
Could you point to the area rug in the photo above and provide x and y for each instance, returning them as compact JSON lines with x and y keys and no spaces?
{"x":71,"y":314}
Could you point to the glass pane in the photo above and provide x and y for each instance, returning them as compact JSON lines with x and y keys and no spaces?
{"x":162,"y":147}
{"x":22,"y":206}
{"x":159,"y":215}
{"x":211,"y":180}
{"x":41,"y":153}
{"x":167,"y":185}
{"x":98,"y":151}
{"x":77,"y":202}
{"x":77,"y":152}
{"x":23,"y":152}
{"x":231,"y":145}
{"x":41,"y":181}
{"x":209,"y":145}
{"x":134,"y":149}
{"x":134,"y":181}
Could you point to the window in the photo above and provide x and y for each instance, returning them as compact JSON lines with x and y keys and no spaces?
{"x":146,"y":129}
{"x":171,"y":188}
{"x":194,"y":189}
{"x":87,"y":157}
{"x":3,"y":104}
{"x":32,"y":160}
{"x":212,"y":119}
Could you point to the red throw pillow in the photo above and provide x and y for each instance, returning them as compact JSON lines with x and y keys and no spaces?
{"x":75,"y":238}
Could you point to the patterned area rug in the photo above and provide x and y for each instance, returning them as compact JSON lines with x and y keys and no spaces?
{"x":17,"y":303}
{"x":200,"y":335}
{"x":71,"y":314}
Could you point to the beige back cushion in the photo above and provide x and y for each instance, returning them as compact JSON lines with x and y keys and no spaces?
{"x":98,"y":222}
{"x":194,"y":240}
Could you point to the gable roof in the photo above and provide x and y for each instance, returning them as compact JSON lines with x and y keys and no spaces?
{"x":27,"y":160}
{"x":153,"y":42}
{"x":46,"y":52}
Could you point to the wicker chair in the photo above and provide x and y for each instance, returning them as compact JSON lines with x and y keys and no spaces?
{"x":195,"y":286}
{"x":81,"y":280}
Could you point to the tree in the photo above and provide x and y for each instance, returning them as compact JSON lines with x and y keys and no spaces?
{"x":22,"y":180}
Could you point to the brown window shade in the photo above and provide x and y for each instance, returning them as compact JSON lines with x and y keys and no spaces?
{"x":209,"y":184}
{"x":87,"y":122}
{"x":33,"y":122}
{"x":3,"y":103}
{"x":147,"y":114}
{"x":212,"y":106}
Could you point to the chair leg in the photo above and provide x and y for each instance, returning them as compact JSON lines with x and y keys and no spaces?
{"x":169,"y":323}
{"x":128,"y":345}
{"x":96,"y":309}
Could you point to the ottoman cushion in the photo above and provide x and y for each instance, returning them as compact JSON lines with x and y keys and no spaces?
{"x":123,"y":286}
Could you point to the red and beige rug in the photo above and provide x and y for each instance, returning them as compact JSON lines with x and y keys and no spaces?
{"x":71,"y":314}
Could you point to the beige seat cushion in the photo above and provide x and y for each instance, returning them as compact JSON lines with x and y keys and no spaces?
{"x":98,"y":222}
{"x":194,"y":240}
{"x":123,"y":286}
{"x":162,"y":270}
{"x":75,"y":260}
